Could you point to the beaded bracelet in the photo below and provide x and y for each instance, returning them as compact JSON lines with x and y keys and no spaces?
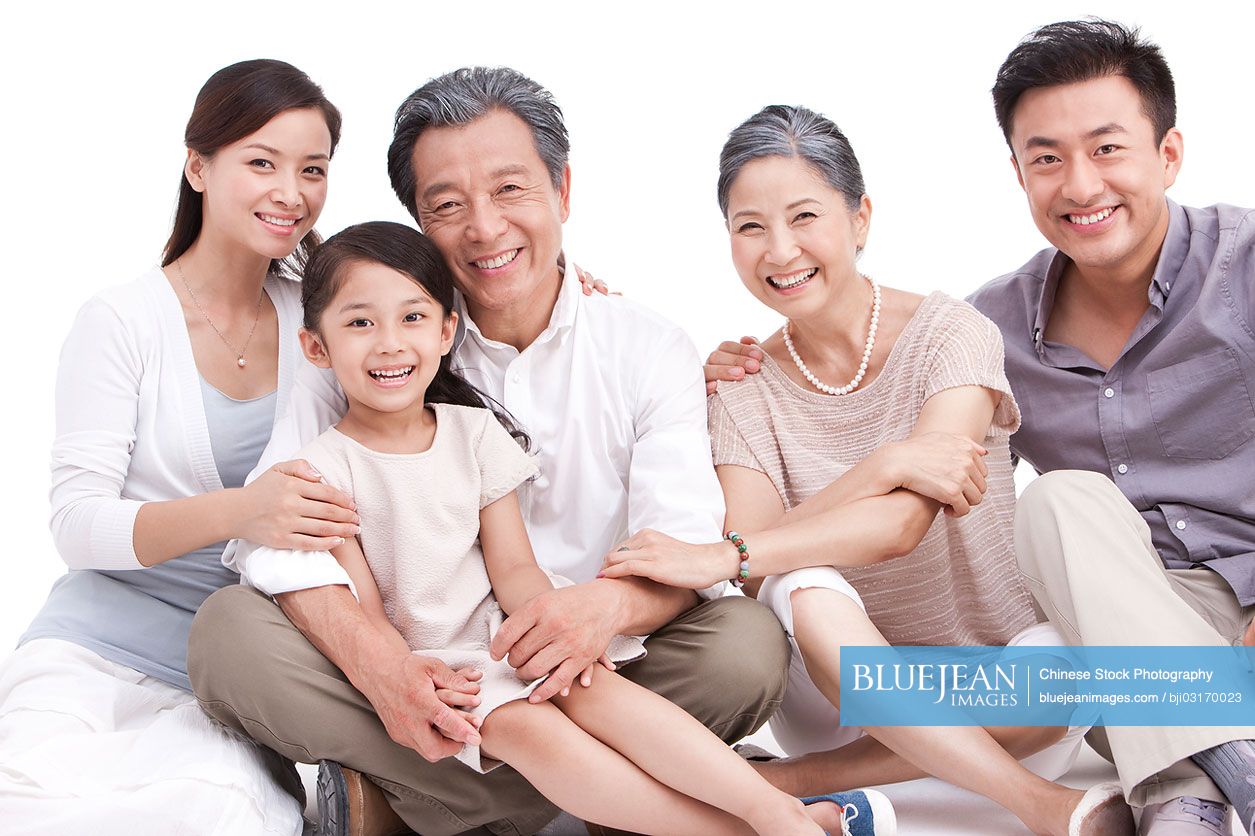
{"x":744,"y":574}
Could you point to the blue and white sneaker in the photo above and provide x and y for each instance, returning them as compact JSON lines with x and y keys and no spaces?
{"x":863,"y":812}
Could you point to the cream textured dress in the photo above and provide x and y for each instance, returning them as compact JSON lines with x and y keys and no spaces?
{"x":420,"y":535}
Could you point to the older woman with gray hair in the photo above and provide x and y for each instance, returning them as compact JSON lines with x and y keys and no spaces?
{"x":874,"y":410}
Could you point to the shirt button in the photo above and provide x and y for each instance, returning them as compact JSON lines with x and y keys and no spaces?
{"x":1109,"y":392}
{"x":1124,"y":468}
{"x":517,"y":377}
{"x":1180,"y":525}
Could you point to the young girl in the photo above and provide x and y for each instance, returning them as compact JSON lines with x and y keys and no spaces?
{"x":443,"y":552}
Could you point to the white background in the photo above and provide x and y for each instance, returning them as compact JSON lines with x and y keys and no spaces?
{"x":95,"y":99}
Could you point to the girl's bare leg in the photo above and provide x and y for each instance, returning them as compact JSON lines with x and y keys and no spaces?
{"x":867,"y":762}
{"x":965,"y":756}
{"x":664,"y":741}
{"x":591,"y":780}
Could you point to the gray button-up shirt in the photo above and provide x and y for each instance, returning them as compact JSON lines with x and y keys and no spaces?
{"x":1171,"y":421}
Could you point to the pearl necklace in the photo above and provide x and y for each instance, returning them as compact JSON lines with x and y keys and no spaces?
{"x":867,"y":351}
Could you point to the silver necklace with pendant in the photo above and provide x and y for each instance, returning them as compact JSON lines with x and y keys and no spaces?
{"x":239,"y":355}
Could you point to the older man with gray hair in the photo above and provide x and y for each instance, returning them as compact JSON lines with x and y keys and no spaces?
{"x":612,"y":397}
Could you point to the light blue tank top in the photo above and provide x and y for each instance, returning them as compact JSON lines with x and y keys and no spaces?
{"x":141,"y":617}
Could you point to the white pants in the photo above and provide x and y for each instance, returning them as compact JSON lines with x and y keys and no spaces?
{"x":807,"y":722}
{"x":1089,"y":559}
{"x":91,"y":746}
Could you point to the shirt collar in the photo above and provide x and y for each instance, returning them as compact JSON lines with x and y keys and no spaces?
{"x":1176,"y":245}
{"x":1046,"y":299}
{"x":560,"y":321}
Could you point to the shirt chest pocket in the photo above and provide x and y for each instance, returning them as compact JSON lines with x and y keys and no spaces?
{"x":1202,"y":407}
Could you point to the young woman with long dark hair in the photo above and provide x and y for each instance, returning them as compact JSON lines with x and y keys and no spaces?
{"x":166,"y":394}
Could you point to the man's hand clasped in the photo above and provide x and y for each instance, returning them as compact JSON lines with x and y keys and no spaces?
{"x":428,"y":706}
{"x":423,"y":705}
{"x":563,"y":633}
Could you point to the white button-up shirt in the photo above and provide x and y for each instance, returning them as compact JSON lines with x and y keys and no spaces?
{"x":611,"y":395}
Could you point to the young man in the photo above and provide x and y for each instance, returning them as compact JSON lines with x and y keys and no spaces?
{"x":610,"y":396}
{"x":1130,"y":345}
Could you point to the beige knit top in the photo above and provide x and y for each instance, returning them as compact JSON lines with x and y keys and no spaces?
{"x":960,"y":585}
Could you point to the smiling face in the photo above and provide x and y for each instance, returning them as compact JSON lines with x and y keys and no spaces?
{"x":485,"y":198}
{"x":264,"y":192}
{"x":794,"y":239}
{"x":383,"y":336}
{"x":1094,"y":175}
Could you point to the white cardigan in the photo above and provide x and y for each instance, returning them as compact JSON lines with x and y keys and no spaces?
{"x":130,"y":422}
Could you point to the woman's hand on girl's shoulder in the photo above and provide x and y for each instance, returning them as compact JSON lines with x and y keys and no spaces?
{"x":290,"y":507}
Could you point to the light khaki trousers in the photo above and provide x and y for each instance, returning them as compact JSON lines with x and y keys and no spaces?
{"x":1087,"y":556}
{"x":725,"y":662}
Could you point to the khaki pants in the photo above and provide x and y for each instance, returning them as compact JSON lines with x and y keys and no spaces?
{"x":724,"y":661}
{"x":1088,"y":559}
